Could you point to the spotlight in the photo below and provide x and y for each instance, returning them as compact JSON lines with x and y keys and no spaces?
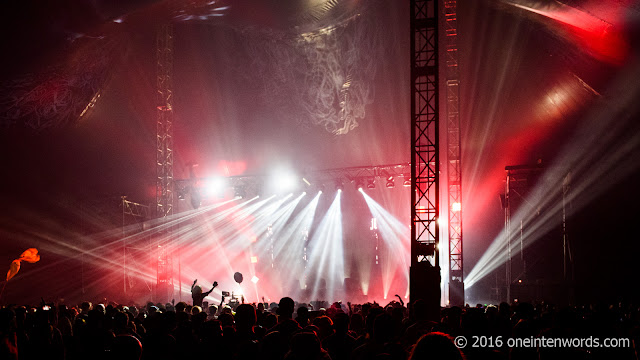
{"x":390,"y":184}
{"x":196,"y":198}
{"x":239,"y":192}
{"x":215,"y":186}
{"x":283,"y":181}
{"x":182,"y":193}
{"x":339,"y":185}
{"x":456,"y":206}
{"x":407,"y":182}
{"x":386,"y":175}
{"x":255,"y":279}
{"x":254,"y":259}
{"x":359,"y":184}
{"x":371,"y":183}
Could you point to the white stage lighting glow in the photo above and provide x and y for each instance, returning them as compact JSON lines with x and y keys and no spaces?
{"x":216,"y":186}
{"x":255,"y":279}
{"x":283,"y":181}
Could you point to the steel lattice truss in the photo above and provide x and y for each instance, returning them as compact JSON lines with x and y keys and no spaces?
{"x":424,"y":132}
{"x":372,"y":173}
{"x":130,"y":259}
{"x":453,"y":145}
{"x":164,"y":125}
{"x":383,"y":175}
{"x":520,"y":179}
{"x":164,"y":146}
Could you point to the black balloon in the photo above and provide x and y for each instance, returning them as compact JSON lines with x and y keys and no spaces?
{"x":238,"y":277}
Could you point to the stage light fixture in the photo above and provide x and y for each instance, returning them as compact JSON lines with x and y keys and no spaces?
{"x":371,"y":183}
{"x":239,"y":192}
{"x":339,"y":185}
{"x":196,"y":198}
{"x":254,"y":259}
{"x":456,"y":206}
{"x":182,"y":193}
{"x":215,"y":186}
{"x":254,"y":279}
{"x":407,"y":182}
{"x":359,"y":184}
{"x":390,"y":184}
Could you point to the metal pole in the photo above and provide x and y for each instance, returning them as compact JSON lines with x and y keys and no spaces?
{"x":124,"y":248}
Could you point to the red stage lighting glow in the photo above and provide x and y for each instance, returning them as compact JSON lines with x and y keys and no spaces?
{"x":604,"y":40}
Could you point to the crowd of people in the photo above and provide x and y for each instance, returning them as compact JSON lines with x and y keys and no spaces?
{"x":298,"y":331}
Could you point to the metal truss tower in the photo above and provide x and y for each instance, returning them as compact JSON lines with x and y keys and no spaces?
{"x":164,"y":124}
{"x":164,"y":151}
{"x":519,"y":181}
{"x":425,"y":261}
{"x":138,"y":212}
{"x":454,"y":174}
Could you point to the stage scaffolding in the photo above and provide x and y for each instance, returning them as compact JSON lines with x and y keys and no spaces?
{"x":164,"y":156}
{"x":454,"y":171}
{"x":425,"y":169}
{"x":519,"y":181}
{"x":131,"y":244}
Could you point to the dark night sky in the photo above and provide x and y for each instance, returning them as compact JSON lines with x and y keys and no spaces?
{"x":512,"y":65}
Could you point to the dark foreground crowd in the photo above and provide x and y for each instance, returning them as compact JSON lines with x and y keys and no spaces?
{"x":296,"y":331}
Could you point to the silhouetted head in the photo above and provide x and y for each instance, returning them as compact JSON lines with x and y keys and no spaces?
{"x":325,"y":325}
{"x":436,"y":345}
{"x":126,"y":347}
{"x":181,"y":306}
{"x":286,"y":307}
{"x":341,"y":323}
{"x":245,"y":316}
{"x":197,"y":290}
{"x":305,"y":345}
